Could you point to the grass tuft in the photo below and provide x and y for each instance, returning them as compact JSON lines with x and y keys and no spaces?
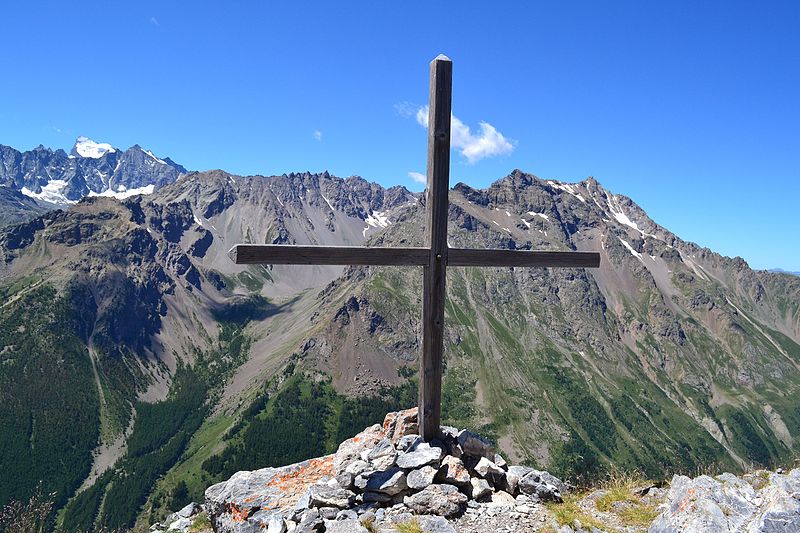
{"x":411,"y":526}
{"x":621,"y":488}
{"x":638,"y":515}
{"x":569,"y":511}
{"x":201,"y":524}
{"x":369,"y":524}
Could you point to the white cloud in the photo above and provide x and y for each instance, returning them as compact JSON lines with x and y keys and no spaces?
{"x":488,"y":143}
{"x":154,"y":21}
{"x":317,"y":135}
{"x":416,"y":177}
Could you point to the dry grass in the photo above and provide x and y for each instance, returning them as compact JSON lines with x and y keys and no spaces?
{"x":569,"y":511}
{"x":411,"y":526}
{"x":638,"y":515}
{"x":619,"y":498}
{"x":369,"y":524}
{"x":621,"y":489}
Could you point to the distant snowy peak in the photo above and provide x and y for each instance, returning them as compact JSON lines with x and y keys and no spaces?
{"x":85,"y":147}
{"x":92,"y":169}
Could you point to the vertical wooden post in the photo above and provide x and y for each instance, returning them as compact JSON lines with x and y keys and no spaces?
{"x":430,"y":384}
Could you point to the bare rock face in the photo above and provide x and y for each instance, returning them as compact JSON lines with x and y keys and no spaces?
{"x":535,"y":483}
{"x":234,"y":503}
{"x":729,"y":503}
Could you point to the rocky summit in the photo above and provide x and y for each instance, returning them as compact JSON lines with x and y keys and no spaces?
{"x":383,"y":476}
{"x":387,"y":479}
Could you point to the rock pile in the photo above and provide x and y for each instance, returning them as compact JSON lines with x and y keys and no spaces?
{"x":384,"y":474}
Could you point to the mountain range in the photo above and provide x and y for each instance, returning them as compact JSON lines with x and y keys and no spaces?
{"x":91,"y":169}
{"x":138,"y":365}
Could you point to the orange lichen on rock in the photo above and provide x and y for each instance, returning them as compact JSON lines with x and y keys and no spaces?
{"x":292,"y":484}
{"x":238,"y":515}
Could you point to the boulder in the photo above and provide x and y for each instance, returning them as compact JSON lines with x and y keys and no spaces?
{"x":420,"y":478}
{"x":475,"y":445}
{"x":235,"y":500}
{"x":324,"y":495}
{"x":427,"y":523}
{"x":407,"y":441}
{"x":485,"y":468}
{"x":536,"y":483}
{"x":185,"y":512}
{"x":441,"y":500}
{"x":276,"y":525}
{"x":502,"y":498}
{"x":420,"y":454}
{"x":347,"y":514}
{"x":345,"y":480}
{"x":310,"y":521}
{"x":499,"y":461}
{"x":356,"y":467}
{"x":181,"y":524}
{"x":391,"y":482}
{"x":480,"y":488}
{"x":382,"y":456}
{"x":376,"y":497}
{"x":401,"y":423}
{"x":453,"y":471}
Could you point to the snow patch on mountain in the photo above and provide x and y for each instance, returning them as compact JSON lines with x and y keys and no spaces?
{"x":376,"y":219}
{"x":631,"y":249}
{"x":327,"y":201}
{"x":85,"y":147}
{"x":125,"y":193}
{"x":568,"y":188}
{"x":148,"y":152}
{"x":619,"y":215}
{"x":51,"y":192}
{"x":533,"y":214}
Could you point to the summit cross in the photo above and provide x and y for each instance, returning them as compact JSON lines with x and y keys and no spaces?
{"x":434,"y":258}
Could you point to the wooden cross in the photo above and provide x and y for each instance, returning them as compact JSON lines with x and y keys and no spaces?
{"x":434,"y":258}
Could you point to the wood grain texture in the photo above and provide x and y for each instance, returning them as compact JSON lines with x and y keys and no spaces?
{"x":284,"y":254}
{"x":521,"y":258}
{"x":434,"y":282}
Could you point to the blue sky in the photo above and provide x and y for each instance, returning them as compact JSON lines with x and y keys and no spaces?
{"x":690,"y":108}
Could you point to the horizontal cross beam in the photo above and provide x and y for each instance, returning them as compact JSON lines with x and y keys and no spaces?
{"x":520,"y":258}
{"x":289,"y":254}
{"x":285,"y":254}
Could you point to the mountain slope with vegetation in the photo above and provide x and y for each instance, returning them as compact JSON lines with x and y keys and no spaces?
{"x":172,"y":367}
